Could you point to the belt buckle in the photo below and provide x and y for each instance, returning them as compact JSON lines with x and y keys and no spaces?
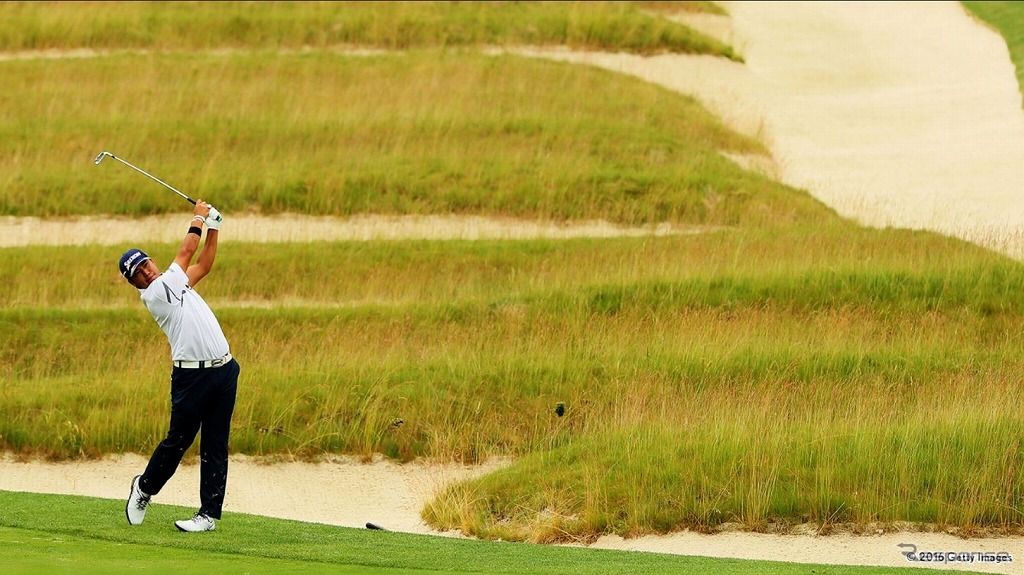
{"x":217,"y":362}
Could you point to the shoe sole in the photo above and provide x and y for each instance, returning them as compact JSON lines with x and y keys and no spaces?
{"x":183,"y":530}
{"x":131,"y":490}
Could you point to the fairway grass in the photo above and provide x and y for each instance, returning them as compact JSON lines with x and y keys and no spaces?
{"x":31,"y":552}
{"x":43,"y":534}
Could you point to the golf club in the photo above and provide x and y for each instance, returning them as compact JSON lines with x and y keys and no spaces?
{"x":102,"y":155}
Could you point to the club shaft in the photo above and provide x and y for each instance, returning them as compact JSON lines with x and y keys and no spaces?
{"x":152,"y":177}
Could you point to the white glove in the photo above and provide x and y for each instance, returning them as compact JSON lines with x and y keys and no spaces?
{"x":214,"y":219}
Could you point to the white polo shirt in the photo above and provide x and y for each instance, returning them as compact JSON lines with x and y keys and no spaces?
{"x":190,"y":326}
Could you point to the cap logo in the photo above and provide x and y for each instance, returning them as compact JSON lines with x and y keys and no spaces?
{"x":128,"y":262}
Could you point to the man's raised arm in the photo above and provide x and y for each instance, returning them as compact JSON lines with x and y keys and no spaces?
{"x":208,"y":254}
{"x":191,"y":242}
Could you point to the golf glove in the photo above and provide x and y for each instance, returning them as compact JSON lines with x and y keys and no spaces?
{"x":214,"y":219}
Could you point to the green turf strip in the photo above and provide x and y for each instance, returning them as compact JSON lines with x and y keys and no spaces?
{"x":38,"y":552}
{"x":83,"y":535}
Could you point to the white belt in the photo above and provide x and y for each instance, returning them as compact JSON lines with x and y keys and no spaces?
{"x":203,"y":364}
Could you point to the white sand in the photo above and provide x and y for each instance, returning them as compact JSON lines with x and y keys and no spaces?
{"x":111,"y":230}
{"x":341,"y":491}
{"x":901,"y":114}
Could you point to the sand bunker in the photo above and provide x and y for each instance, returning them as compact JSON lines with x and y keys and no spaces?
{"x":896,"y":114}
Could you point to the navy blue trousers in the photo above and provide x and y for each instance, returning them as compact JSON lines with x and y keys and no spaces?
{"x":200,"y":398}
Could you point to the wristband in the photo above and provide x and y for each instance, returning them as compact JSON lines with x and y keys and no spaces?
{"x":200,"y":218}
{"x":196,"y":230}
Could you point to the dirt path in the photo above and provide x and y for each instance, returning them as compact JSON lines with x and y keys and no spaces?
{"x":903,"y":114}
{"x":84,"y":230}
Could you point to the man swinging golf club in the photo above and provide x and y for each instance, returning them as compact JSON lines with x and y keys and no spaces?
{"x":204,"y":376}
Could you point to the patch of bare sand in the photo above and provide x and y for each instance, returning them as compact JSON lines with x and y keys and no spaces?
{"x":110,"y":230}
{"x":338,"y":491}
{"x":881,"y":549}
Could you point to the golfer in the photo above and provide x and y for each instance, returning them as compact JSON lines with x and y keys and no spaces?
{"x":204,"y":376}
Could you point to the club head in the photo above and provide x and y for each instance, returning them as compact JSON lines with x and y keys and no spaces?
{"x":100,"y":157}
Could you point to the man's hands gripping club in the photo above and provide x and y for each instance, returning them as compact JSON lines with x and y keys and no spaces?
{"x":208,"y":215}
{"x":213,"y":219}
{"x":203,"y":213}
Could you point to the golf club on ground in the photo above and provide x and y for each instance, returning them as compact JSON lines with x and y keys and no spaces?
{"x":102,"y":155}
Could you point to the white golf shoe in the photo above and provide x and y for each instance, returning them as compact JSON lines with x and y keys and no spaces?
{"x":138,"y":501}
{"x":200,"y":522}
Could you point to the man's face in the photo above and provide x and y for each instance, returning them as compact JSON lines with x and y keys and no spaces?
{"x":144,"y":275}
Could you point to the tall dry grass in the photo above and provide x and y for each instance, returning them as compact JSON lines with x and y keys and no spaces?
{"x":176,"y":26}
{"x":762,"y":388}
{"x":456,"y":133}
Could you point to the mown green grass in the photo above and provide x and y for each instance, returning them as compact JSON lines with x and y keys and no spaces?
{"x":1008,"y":19}
{"x":173,"y":26}
{"x":66,"y":534}
{"x":41,"y":552}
